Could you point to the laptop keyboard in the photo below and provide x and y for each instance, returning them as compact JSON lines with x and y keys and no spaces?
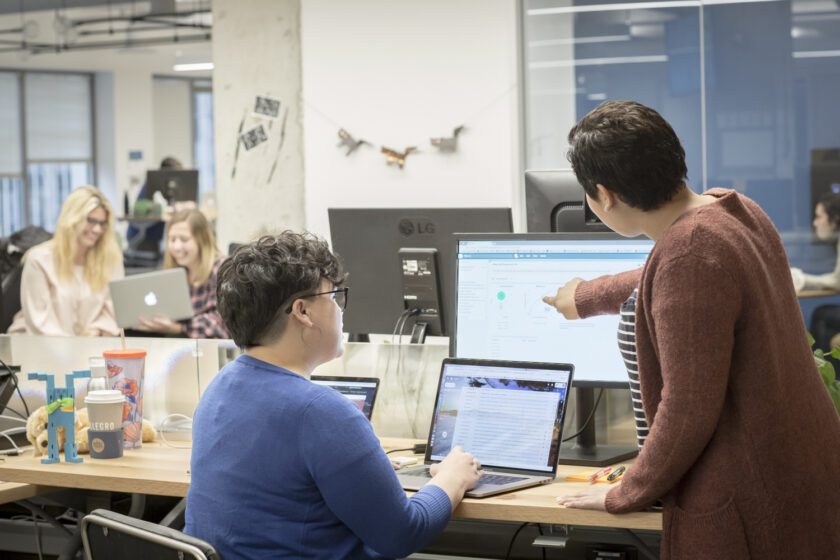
{"x":485,"y":478}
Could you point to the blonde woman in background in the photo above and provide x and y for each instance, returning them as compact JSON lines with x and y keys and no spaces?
{"x":64,"y":283}
{"x":190,"y":243}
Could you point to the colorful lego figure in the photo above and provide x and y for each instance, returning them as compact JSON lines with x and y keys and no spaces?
{"x":61,"y":411}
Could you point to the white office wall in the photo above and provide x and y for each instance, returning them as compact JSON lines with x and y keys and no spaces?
{"x":399,"y":73}
{"x":173,"y":122}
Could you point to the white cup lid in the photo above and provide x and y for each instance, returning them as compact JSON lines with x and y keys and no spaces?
{"x":106,"y":396}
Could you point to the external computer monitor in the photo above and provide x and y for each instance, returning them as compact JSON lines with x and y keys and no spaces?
{"x":400,"y":265}
{"x":499,"y":285}
{"x":176,"y":185}
{"x":555,"y":201}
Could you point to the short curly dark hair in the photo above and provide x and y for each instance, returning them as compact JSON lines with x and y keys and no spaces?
{"x":631,"y":150}
{"x":255,"y":283}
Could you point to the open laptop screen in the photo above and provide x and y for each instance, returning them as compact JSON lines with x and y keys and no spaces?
{"x":508,"y":417}
{"x":361,"y":391}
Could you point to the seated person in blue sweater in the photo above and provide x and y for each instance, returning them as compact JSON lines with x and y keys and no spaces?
{"x":284,"y":468}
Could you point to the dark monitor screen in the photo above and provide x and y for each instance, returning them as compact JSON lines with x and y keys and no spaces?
{"x":555,"y":201}
{"x":179,"y":185}
{"x":501,"y":280}
{"x":369,"y":240}
{"x":825,"y":173}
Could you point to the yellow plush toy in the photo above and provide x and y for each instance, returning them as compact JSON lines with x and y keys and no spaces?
{"x":36,"y":431}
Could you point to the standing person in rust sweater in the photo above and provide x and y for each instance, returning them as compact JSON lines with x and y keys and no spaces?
{"x":740,"y":439}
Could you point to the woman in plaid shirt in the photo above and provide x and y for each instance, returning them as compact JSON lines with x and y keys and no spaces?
{"x":190,"y":243}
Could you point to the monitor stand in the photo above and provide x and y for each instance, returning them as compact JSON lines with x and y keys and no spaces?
{"x":358,"y":337}
{"x":418,"y":332}
{"x":585,"y":451}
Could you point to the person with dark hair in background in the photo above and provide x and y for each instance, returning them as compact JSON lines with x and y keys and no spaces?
{"x":154,"y":233}
{"x":739,"y":437}
{"x":825,"y":321}
{"x":284,"y":468}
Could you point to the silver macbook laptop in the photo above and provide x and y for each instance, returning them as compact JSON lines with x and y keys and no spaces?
{"x":361,"y":391}
{"x":508,"y":414}
{"x":163,"y":293}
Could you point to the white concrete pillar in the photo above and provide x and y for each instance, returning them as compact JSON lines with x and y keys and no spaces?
{"x":256,"y":52}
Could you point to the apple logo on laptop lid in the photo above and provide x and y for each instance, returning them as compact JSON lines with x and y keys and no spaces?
{"x":150,"y":299}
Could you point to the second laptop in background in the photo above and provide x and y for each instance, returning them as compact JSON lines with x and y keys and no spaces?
{"x":361,"y":391}
{"x":163,"y":293}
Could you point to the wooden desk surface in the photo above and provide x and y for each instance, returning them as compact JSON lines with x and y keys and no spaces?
{"x":816,"y":293}
{"x":156,"y":469}
{"x":14,"y":491}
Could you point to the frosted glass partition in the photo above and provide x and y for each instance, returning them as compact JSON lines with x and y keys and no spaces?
{"x":408,"y":375}
{"x":406,"y":394}
{"x":178,"y":371}
{"x":212,"y":355}
{"x":171,"y":376}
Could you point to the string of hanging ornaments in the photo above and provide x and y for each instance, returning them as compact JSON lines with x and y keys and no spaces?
{"x":266,"y":119}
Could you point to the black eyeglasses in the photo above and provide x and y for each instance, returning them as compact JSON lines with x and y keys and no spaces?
{"x":340,"y":295}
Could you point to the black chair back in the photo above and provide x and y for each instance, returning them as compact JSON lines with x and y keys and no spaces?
{"x":9,"y":296}
{"x":107,"y":535}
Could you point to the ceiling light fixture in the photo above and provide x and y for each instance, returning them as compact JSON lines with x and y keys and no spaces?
{"x":598,"y":61}
{"x":637,"y":6}
{"x":815,"y":54}
{"x":194,"y":67}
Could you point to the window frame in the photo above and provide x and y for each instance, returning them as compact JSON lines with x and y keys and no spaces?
{"x":22,"y":133}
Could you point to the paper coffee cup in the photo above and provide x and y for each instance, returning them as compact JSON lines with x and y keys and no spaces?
{"x":105,"y":410}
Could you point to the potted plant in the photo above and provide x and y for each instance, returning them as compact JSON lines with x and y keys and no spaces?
{"x":826,"y":369}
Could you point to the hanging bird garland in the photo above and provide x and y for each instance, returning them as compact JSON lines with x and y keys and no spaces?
{"x":450,"y":144}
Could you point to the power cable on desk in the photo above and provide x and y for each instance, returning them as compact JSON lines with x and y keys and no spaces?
{"x":588,"y":419}
{"x":38,"y":538}
{"x":393,"y":336}
{"x":404,"y":317}
{"x":513,"y":540}
{"x":162,"y":431}
{"x":417,"y":449}
{"x":398,"y":450}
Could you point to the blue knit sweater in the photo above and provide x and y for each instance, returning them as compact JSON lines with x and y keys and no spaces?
{"x":284,"y":468}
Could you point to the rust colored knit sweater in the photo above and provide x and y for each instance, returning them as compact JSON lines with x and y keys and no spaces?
{"x":744,"y":443}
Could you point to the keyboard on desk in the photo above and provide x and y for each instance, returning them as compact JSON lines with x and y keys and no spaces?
{"x":486,"y":478}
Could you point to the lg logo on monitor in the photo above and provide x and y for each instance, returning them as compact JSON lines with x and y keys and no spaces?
{"x":419,"y":226}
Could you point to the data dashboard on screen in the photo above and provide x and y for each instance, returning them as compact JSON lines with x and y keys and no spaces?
{"x":501,"y":280}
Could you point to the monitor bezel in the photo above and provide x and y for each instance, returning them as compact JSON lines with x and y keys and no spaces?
{"x":513,"y":364}
{"x":542,"y":236}
{"x":348,"y":379}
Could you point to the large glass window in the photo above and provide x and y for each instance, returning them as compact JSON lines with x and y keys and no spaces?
{"x":750,"y":87}
{"x":46,"y":129}
{"x":11,"y":159}
{"x":204,"y":144}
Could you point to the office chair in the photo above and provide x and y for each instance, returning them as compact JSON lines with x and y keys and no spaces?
{"x":107,"y":535}
{"x":9,"y":297}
